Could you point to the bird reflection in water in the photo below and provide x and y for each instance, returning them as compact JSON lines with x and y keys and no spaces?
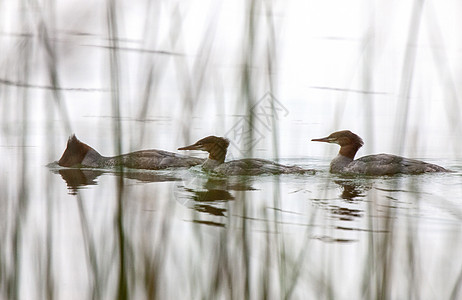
{"x":210,"y":195}
{"x":80,"y":178}
{"x":76,"y":178}
{"x":351,"y":192}
{"x":203,"y":199}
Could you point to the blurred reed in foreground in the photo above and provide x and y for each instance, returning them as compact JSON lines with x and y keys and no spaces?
{"x":134,"y":254}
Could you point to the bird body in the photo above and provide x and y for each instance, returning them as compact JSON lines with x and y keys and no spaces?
{"x":217,"y":148}
{"x":80,"y":154}
{"x":378,"y":164}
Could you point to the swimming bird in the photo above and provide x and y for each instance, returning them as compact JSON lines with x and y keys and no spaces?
{"x":217,"y":148}
{"x":80,"y":154}
{"x":378,"y":164}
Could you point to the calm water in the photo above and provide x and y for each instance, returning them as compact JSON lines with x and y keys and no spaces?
{"x":187,"y":234}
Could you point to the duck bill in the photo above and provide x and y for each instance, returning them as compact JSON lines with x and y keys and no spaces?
{"x":191,"y":147}
{"x":325,"y":140}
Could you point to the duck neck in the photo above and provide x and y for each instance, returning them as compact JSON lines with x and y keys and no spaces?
{"x":349,"y":150}
{"x":218,"y":153}
{"x":339,"y":163}
{"x":345,"y":156}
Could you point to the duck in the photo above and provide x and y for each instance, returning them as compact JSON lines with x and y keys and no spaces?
{"x":79,"y":154}
{"x":375,"y":165}
{"x":217,"y":148}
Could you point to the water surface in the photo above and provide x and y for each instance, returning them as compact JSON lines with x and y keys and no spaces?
{"x":189,"y":234}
